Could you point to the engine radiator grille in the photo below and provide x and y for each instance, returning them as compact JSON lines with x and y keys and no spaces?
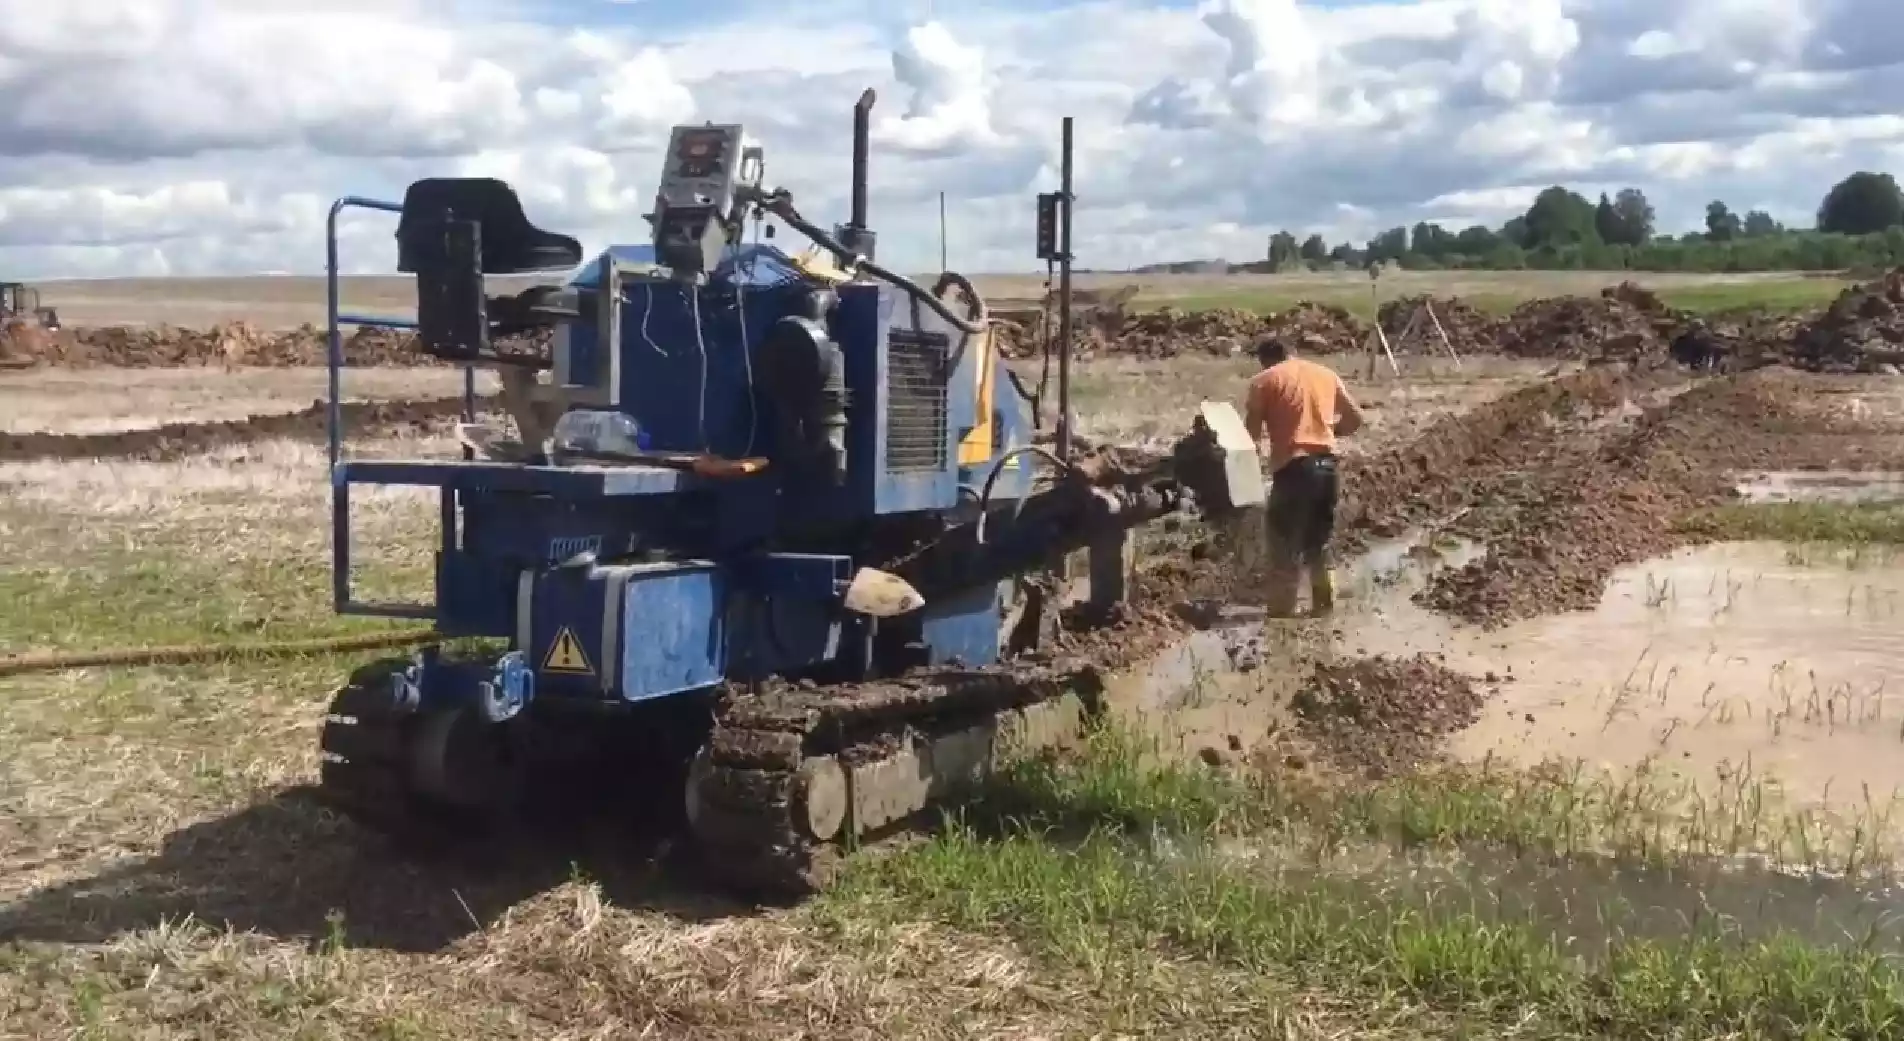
{"x":916,"y":401}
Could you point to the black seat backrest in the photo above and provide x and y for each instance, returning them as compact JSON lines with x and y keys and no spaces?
{"x":511,"y":245}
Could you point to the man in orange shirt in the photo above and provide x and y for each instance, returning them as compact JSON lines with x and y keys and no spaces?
{"x":1302,"y":408}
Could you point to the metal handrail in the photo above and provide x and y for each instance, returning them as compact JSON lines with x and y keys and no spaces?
{"x":335,"y":319}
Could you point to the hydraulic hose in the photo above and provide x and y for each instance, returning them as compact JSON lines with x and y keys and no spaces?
{"x":780,"y":204}
{"x":191,"y":654}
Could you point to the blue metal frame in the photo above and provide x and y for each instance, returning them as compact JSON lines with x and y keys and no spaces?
{"x":341,"y":600}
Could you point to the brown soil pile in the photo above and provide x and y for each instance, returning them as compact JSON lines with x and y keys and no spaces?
{"x":1319,"y":328}
{"x":1610,"y":325}
{"x":178,"y":440}
{"x":1584,"y":513}
{"x":1862,"y":329}
{"x":23,"y":342}
{"x":1470,"y":330}
{"x":229,"y":345}
{"x":1385,"y":492}
{"x":1379,"y":716}
{"x":1168,"y":332}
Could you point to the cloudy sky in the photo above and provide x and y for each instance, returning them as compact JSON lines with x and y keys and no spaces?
{"x":209,"y":136}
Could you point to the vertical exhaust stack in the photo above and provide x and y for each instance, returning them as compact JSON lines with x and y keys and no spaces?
{"x":855,"y":234}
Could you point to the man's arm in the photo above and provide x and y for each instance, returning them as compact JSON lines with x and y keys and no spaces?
{"x":1348,"y":414}
{"x":1253,"y":412}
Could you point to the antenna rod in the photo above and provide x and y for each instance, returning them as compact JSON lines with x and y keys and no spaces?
{"x":1064,"y":297}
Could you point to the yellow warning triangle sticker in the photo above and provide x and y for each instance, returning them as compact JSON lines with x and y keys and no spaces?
{"x":565,"y":655}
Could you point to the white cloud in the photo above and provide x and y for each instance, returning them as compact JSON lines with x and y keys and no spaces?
{"x":189,"y":136}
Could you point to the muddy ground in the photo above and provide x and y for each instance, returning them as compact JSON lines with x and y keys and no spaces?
{"x":139,"y":797}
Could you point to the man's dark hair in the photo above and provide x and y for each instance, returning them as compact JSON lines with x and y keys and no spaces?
{"x":1270,"y":351}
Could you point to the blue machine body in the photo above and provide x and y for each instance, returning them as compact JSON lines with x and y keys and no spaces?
{"x":619,"y":583}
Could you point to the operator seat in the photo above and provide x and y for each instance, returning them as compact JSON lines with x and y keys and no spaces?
{"x":510,"y":244}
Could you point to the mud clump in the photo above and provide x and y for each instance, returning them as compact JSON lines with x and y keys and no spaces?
{"x":179,"y":440}
{"x":1379,"y":716}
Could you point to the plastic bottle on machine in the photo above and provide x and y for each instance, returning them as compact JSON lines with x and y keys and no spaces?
{"x":600,"y":432}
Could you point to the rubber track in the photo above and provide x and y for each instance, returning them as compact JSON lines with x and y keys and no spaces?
{"x":180,"y":440}
{"x":363,"y":771}
{"x":747,"y":834}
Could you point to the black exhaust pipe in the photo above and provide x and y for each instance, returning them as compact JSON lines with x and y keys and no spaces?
{"x":856,"y":235}
{"x":862,"y":149}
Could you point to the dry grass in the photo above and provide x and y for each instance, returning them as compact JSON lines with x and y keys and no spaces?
{"x":164,"y":874}
{"x":102,"y":400}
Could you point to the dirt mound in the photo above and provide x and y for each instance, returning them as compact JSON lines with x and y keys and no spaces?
{"x":23,"y":342}
{"x":1382,"y":715}
{"x":1637,"y":297}
{"x":1168,"y":332}
{"x":1469,"y":329}
{"x":1314,"y":328}
{"x":228,"y":345}
{"x":1580,"y":514}
{"x":1862,"y":329}
{"x":178,"y":440}
{"x":1385,"y":492}
{"x":1609,"y":325}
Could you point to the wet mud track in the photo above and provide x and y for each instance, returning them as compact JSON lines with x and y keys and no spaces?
{"x":1556,"y":533}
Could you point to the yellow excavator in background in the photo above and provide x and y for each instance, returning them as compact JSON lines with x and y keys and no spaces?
{"x":26,"y":328}
{"x":18,"y":300}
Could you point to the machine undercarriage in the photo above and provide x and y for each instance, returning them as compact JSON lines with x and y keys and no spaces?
{"x":797,"y":639}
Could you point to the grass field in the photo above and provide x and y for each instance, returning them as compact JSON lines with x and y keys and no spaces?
{"x":285,"y":302}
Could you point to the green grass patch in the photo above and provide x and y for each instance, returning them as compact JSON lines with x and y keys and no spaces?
{"x":1107,"y":861}
{"x":1845,"y":524}
{"x":163,"y":594}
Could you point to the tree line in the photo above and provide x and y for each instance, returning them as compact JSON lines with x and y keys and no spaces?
{"x":1860,"y":224}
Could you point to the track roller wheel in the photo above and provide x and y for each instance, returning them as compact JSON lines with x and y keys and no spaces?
{"x":416,"y":776}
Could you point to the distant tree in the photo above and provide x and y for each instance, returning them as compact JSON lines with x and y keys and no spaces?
{"x":1862,"y":204}
{"x":1389,"y":245}
{"x":1636,"y":217}
{"x":1431,"y":240}
{"x":1560,"y":218}
{"x":1314,"y":249}
{"x":1476,"y":241}
{"x":1759,"y":225}
{"x":1346,"y":254}
{"x":1606,"y":220}
{"x":1722,"y":225}
{"x":1515,"y":231}
{"x":1282,"y":250}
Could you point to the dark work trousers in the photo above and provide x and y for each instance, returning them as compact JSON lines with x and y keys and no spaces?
{"x":1301,"y":517}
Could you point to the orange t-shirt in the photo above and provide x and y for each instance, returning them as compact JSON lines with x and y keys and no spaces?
{"x":1294,"y":403}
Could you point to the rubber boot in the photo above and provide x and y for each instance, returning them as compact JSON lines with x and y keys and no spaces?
{"x":1321,"y":591}
{"x":1284,"y":590}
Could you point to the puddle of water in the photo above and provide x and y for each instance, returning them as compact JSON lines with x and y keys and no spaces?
{"x":1221,"y":688}
{"x":1839,"y":486}
{"x":1727,"y":662}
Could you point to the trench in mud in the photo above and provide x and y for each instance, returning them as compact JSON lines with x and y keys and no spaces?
{"x":1744,"y":674}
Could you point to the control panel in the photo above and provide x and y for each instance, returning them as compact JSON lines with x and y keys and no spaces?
{"x":694,"y":217}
